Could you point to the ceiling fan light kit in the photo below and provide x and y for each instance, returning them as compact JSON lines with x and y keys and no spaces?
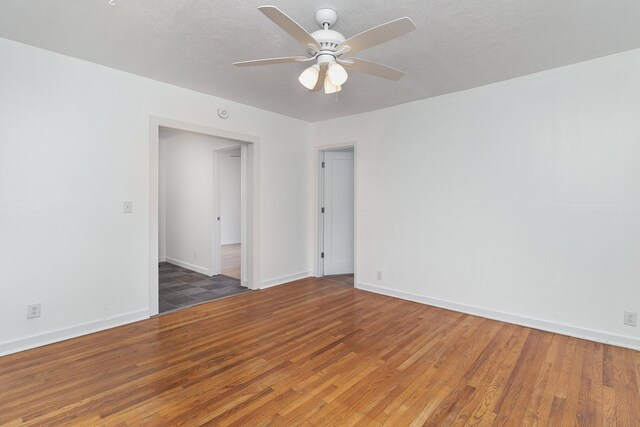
{"x":337,"y":74}
{"x":309,"y":77}
{"x":330,"y":87}
{"x":326,"y":46}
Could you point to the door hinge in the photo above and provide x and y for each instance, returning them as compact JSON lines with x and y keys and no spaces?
{"x":322,"y":164}
{"x":322,"y":210}
{"x":321,"y":254}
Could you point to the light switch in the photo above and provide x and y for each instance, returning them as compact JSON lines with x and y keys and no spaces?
{"x":127,"y":207}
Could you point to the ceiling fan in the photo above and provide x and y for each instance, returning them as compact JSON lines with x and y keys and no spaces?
{"x":325,"y":48}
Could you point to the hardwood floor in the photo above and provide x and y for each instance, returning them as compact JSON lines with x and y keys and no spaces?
{"x":319,"y":352}
{"x":231,"y":260}
{"x":346,"y":279}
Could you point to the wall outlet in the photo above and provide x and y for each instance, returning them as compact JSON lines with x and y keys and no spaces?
{"x":379,"y":275}
{"x":195,"y":255}
{"x":127,"y":207}
{"x":630,"y":318}
{"x":33,"y":311}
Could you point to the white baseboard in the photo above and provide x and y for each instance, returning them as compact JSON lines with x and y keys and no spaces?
{"x":188,"y":266}
{"x":51,"y":337}
{"x":162,"y":259}
{"x":284,"y":279}
{"x":544,"y":325}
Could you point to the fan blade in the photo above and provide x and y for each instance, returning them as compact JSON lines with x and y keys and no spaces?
{"x":270,"y":61}
{"x":378,"y":35}
{"x":321,"y":75}
{"x":372,"y":68}
{"x":294,"y":29}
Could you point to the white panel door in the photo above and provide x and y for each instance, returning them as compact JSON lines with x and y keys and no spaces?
{"x":338,"y":212}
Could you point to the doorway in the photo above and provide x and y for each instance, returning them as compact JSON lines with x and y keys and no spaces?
{"x":196,"y":182}
{"x":337,"y":214}
{"x":229,"y":208}
{"x":194,"y":272}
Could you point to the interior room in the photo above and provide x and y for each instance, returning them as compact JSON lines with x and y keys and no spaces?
{"x":319,"y":213}
{"x":198,"y":193}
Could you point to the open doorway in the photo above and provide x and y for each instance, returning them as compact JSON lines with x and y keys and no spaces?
{"x":229,"y":217}
{"x":190,"y":178}
{"x":336,"y":219}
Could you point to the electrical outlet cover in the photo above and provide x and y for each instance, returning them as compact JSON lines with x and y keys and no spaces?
{"x":33,"y":311}
{"x":630,"y":318}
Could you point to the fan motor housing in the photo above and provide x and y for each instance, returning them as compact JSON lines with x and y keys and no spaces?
{"x":328,"y":39}
{"x":325,"y":59}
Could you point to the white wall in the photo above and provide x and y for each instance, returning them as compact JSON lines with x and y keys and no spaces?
{"x":229,"y":173}
{"x":188,"y":177}
{"x":74,"y":144}
{"x":518,"y":200}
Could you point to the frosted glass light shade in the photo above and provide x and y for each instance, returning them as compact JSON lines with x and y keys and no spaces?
{"x":337,"y":74}
{"x":309,"y":77}
{"x":330,"y":87}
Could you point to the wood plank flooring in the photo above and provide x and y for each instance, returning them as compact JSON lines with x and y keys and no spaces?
{"x":319,"y":352}
{"x":346,"y":279}
{"x":230,"y":260}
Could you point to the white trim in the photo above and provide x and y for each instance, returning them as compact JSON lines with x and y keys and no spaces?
{"x":248,"y":204}
{"x":204,"y":130}
{"x":216,"y":262}
{"x":217,"y":242}
{"x":162,"y":259}
{"x":319,"y":157}
{"x":188,"y":266}
{"x":319,"y":271}
{"x":62,"y":334}
{"x":530,"y":322}
{"x":251,"y":219}
{"x":284,"y":279}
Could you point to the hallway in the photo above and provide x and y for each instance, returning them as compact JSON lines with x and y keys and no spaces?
{"x":181,"y":288}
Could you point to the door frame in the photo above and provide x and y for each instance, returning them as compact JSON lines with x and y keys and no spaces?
{"x":319,"y":232}
{"x":250,"y":226}
{"x":217,"y":242}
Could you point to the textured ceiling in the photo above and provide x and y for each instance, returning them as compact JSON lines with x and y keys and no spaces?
{"x":458,"y":45}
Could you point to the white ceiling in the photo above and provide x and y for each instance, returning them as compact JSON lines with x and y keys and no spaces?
{"x":458,"y":45}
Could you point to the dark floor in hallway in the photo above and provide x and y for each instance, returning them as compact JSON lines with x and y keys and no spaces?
{"x":345,"y":279}
{"x":180,"y":287}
